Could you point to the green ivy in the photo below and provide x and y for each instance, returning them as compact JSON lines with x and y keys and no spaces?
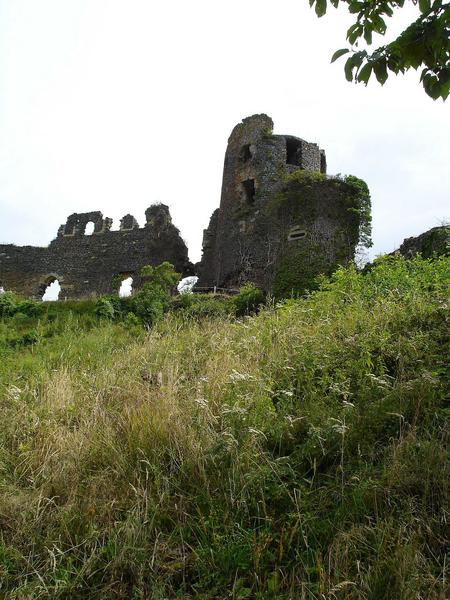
{"x":363,"y":208}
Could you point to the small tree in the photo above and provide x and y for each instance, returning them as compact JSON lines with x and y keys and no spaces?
{"x":249,"y":299}
{"x":164,"y":275}
{"x":104,"y":308}
{"x":153,"y":299}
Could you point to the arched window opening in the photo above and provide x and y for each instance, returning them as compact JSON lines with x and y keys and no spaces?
{"x":126,"y":287}
{"x":52,"y":291}
{"x":89,"y":230}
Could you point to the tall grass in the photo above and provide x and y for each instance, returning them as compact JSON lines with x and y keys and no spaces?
{"x":300,"y":453}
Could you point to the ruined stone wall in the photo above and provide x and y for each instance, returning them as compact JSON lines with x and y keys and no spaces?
{"x":279,"y":213}
{"x":281,"y":222}
{"x":86,"y":264}
{"x":434,"y":241}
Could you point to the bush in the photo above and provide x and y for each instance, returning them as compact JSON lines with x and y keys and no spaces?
{"x":150,"y":303}
{"x":104,"y":308}
{"x":153,"y":300}
{"x":249,"y":299}
{"x":30,"y":308}
{"x":132,"y":320}
{"x":183,"y":301}
{"x":8,"y":304}
{"x":202,"y":306}
{"x":29,"y":338}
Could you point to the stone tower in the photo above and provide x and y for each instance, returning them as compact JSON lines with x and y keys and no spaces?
{"x":281,"y":220}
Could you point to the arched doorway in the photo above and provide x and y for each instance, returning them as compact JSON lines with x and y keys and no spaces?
{"x":50,"y":289}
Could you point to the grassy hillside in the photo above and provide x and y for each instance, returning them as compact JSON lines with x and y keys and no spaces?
{"x":299,"y":453}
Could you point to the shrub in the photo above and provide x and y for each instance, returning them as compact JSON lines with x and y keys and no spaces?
{"x":163,"y":276}
{"x":249,"y":299}
{"x":118,"y":304}
{"x":10,"y":303}
{"x":182,"y":301}
{"x":150,"y":303}
{"x":131,"y":320}
{"x":29,"y":338}
{"x":30,"y":308}
{"x":202,"y":306}
{"x":153,"y":300}
{"x":104,"y":308}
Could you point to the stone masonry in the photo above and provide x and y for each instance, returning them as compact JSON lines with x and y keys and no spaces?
{"x":86,"y":264}
{"x":281,"y":220}
{"x":280,"y":223}
{"x":434,"y":241}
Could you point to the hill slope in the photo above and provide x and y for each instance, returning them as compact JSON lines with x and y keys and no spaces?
{"x":300,"y":453}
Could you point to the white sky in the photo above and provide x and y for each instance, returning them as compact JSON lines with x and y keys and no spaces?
{"x":112,"y":105}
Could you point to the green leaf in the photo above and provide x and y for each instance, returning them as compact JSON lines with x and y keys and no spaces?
{"x":348,"y":69}
{"x":334,"y":3}
{"x":365,"y":73}
{"x":424,"y":6}
{"x":358,"y":57}
{"x":339,"y":53}
{"x":380,"y":70}
{"x":355,"y":7}
{"x":433,"y":89}
{"x":378,"y":24}
{"x":321,"y":7}
{"x":354,"y":32}
{"x":368,"y":34}
{"x":445,"y":90}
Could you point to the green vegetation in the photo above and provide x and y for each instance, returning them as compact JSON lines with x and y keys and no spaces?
{"x":363,"y":207}
{"x":424,"y":43}
{"x":298,"y":453}
{"x":149,"y":304}
{"x":310,"y":196}
{"x":249,"y":300}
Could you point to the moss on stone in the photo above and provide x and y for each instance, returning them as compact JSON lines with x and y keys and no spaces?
{"x":294,"y":276}
{"x":306,"y":199}
{"x":437,"y":242}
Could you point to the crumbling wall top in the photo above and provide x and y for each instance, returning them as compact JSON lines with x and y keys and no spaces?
{"x":158,"y":216}
{"x":128,"y":222}
{"x":256,"y":124}
{"x":77,"y":222}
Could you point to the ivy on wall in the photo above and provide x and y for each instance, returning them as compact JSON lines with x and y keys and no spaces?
{"x":363,"y":208}
{"x":311,"y":197}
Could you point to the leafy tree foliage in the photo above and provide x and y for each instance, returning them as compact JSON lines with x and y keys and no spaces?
{"x":153,"y":300}
{"x":164,"y":275}
{"x":104,"y":308}
{"x":249,"y":299}
{"x":425,"y":43}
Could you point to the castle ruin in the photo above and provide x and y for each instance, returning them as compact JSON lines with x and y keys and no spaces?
{"x":281,"y":219}
{"x":87,"y":264}
{"x":281,"y":222}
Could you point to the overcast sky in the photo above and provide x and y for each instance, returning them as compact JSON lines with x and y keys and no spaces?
{"x":113,"y":105}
